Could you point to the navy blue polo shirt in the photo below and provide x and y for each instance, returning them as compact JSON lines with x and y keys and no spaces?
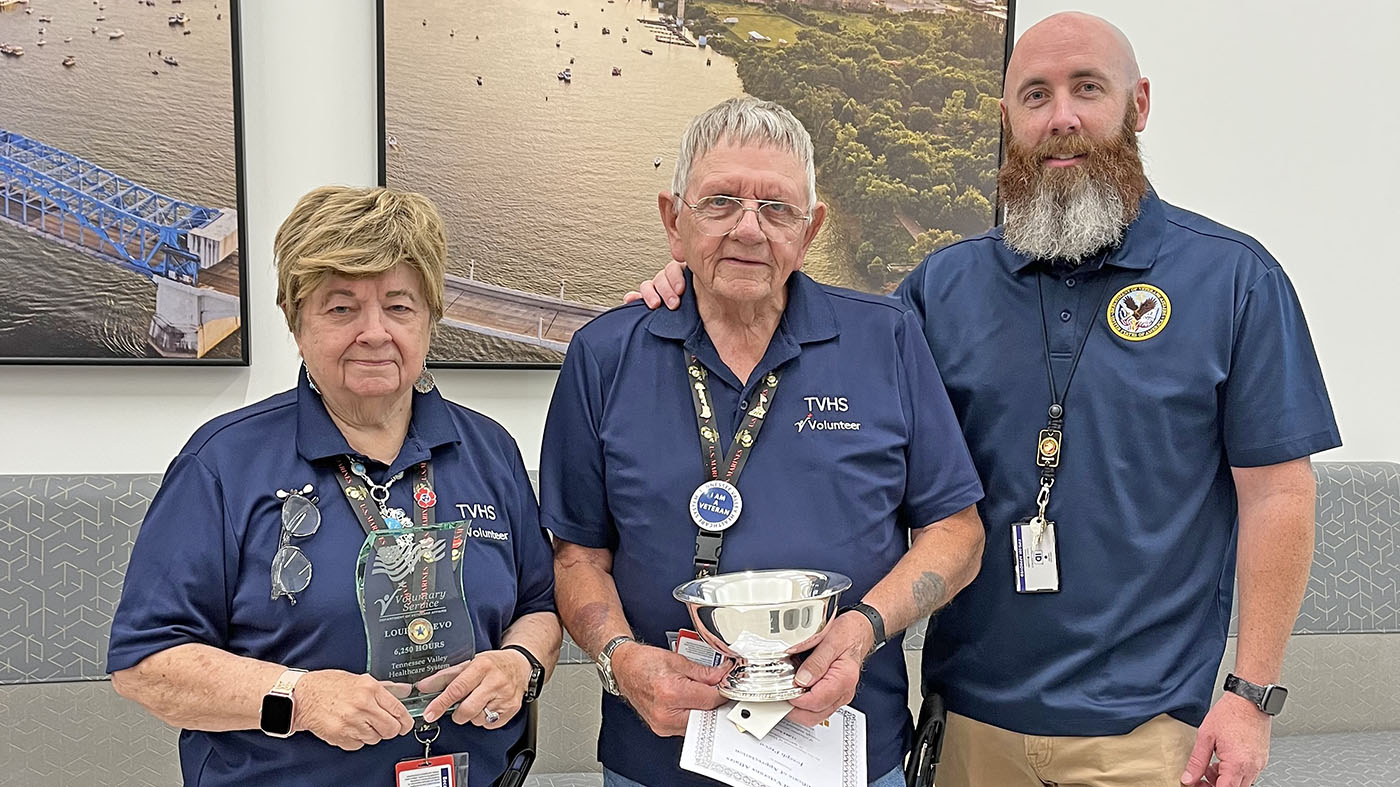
{"x":1210,"y":366}
{"x":859,"y":446}
{"x":200,"y":571}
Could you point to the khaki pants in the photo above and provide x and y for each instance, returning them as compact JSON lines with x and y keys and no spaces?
{"x":980,"y":755}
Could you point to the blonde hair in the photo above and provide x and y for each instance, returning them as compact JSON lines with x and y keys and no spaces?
{"x":358,"y":233}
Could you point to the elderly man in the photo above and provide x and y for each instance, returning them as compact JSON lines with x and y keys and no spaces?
{"x":1141,"y":396}
{"x":861,"y":454}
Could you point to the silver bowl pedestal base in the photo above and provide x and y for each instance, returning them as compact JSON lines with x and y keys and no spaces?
{"x":764,"y":681}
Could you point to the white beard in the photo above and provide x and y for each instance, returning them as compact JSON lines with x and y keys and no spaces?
{"x":1073,"y":228}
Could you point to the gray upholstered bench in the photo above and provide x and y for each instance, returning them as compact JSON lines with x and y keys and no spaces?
{"x":65,"y":540}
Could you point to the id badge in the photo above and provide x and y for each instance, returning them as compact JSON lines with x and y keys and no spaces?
{"x":1035,"y":560}
{"x":444,"y":770}
{"x":687,"y":643}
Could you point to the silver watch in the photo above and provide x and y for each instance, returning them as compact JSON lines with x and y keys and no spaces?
{"x":604,"y":663}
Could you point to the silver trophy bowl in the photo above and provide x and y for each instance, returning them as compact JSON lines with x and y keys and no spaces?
{"x":760,"y":619}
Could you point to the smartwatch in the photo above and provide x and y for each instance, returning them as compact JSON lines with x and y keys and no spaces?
{"x":604,"y":663}
{"x":1268,"y":699}
{"x":278,"y":705}
{"x":877,"y":622}
{"x":532,"y":689}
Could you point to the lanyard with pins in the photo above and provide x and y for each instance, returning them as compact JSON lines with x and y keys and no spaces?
{"x":716,"y":503}
{"x":1051,"y":442}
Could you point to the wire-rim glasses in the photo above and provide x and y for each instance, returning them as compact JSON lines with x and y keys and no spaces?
{"x":291,"y":569}
{"x":719,"y":214}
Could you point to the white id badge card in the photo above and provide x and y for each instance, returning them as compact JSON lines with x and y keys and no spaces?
{"x":1035,"y":560}
{"x":687,"y":643}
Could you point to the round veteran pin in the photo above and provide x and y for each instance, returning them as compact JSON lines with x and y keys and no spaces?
{"x":715,"y":505}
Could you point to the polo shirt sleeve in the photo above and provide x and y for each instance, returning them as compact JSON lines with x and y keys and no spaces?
{"x":176,"y":589}
{"x":573,"y":498}
{"x":534,"y":580}
{"x":1275,"y":403}
{"x":940,"y":478}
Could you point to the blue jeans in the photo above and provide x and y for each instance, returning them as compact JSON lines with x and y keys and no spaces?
{"x":894,"y":778}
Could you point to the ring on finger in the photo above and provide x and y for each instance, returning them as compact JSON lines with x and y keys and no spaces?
{"x":491,"y":716}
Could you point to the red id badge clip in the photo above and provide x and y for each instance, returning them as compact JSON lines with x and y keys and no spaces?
{"x":439,"y":771}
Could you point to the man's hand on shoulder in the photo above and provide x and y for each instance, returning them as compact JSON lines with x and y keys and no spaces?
{"x":666,"y":286}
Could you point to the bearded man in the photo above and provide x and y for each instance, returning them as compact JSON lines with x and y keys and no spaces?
{"x":1141,"y":397}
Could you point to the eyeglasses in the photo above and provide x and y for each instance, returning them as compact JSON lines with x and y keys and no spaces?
{"x":291,"y":570}
{"x":719,"y":215}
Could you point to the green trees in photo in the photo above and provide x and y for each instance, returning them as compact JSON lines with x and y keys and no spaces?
{"x":904,"y":118}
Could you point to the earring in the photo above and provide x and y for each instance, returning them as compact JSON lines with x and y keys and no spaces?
{"x":310,"y":381}
{"x":425,"y":382}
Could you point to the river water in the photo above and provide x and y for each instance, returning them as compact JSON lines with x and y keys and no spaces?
{"x":171,"y":131}
{"x":542,"y":183}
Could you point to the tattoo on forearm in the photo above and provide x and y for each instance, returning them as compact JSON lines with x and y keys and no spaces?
{"x":930,"y":592}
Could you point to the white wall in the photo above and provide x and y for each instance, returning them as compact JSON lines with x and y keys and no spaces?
{"x":1260,"y":111}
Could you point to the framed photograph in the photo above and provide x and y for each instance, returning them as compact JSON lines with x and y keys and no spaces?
{"x":545,"y":129}
{"x":121,"y":183}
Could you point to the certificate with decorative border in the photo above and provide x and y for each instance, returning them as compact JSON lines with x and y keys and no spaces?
{"x":832,"y":754}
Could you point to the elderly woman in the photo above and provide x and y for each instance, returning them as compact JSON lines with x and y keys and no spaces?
{"x":653,"y":438}
{"x":225,"y":630}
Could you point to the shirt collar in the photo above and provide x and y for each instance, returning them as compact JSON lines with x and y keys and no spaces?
{"x":318,"y":437}
{"x":808,"y":316}
{"x":1138,"y":251}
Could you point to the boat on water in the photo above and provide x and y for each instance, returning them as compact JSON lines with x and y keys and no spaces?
{"x":478,"y":80}
{"x":10,"y":50}
{"x":647,"y":52}
{"x":392,"y":141}
{"x":46,"y":19}
{"x":68,"y":39}
{"x":12,"y":3}
{"x":617,"y":72}
{"x":40,"y":42}
{"x":562,"y":12}
{"x":567,"y":75}
{"x":100,"y":18}
{"x":656,"y":162}
{"x":179,"y":19}
{"x":624,"y":39}
{"x":607,"y":32}
{"x":115,"y":34}
{"x":70,"y":61}
{"x":170,"y":60}
{"x":575,"y":25}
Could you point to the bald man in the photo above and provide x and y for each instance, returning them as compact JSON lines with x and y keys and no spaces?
{"x":1141,"y":397}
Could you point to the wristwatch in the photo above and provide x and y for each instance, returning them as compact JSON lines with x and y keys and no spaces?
{"x":1268,"y":699}
{"x":877,"y":622}
{"x":278,"y":705}
{"x":532,"y":689}
{"x":604,"y":663}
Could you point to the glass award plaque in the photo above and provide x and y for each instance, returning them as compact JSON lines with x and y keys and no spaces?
{"x":417,"y":626}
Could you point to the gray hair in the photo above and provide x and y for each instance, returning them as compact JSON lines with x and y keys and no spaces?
{"x":745,"y":121}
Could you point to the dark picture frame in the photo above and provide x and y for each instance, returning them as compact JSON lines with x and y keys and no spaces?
{"x":438,"y":59}
{"x":105,"y":181}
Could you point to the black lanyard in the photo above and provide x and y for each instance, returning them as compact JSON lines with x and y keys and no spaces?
{"x":1051,"y":442}
{"x":371,"y":521}
{"x":709,"y":543}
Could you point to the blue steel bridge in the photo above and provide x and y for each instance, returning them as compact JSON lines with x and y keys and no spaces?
{"x":189,"y":251}
{"x":75,"y":201}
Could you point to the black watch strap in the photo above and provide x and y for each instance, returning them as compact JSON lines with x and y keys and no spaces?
{"x":532,"y":689}
{"x":1268,"y":699}
{"x":877,"y":622}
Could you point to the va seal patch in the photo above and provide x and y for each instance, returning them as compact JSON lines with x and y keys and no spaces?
{"x":1138,"y":312}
